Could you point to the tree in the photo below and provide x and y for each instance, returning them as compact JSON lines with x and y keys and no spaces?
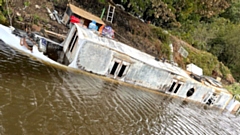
{"x":233,"y":12}
{"x":226,"y":46}
{"x":3,"y":19}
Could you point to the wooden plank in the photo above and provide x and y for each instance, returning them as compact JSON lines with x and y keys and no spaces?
{"x":55,"y":35}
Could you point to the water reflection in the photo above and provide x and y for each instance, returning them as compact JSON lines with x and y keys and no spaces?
{"x":39,"y":99}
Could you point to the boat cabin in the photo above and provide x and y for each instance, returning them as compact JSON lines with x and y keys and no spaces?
{"x":86,"y":50}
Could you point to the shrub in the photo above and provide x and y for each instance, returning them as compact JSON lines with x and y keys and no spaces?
{"x":26,"y":3}
{"x":3,"y":19}
{"x":235,"y":89}
{"x":102,"y":1}
{"x":36,"y":18}
{"x":161,"y":34}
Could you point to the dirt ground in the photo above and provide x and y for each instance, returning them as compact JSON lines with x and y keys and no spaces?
{"x":35,"y":12}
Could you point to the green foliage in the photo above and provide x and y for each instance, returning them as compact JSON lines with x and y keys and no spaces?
{"x":36,"y":19}
{"x":204,"y":60}
{"x":26,"y":3}
{"x":3,"y":19}
{"x":187,"y":10}
{"x":212,"y":37}
{"x":1,"y":3}
{"x":224,"y":70}
{"x":226,"y":46}
{"x":164,"y":37}
{"x":235,"y":89}
{"x":198,"y":34}
{"x":3,"y":12}
{"x":165,"y":50}
{"x":161,"y":34}
{"x":170,"y":14}
{"x":20,"y":18}
{"x":102,"y":1}
{"x":233,"y":12}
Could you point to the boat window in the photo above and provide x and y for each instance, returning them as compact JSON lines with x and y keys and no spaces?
{"x":190,"y":92}
{"x":178,"y":86}
{"x":122,"y":70}
{"x":73,"y":40}
{"x":115,"y":66}
{"x":119,"y":68}
{"x":173,"y":85}
{"x":212,"y":99}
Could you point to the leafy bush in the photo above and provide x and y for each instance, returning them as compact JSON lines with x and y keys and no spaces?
{"x":204,"y":60}
{"x":164,"y":37}
{"x":161,"y":34}
{"x":233,"y":12}
{"x":165,"y":50}
{"x":2,"y":19}
{"x":102,"y":1}
{"x":1,"y":3}
{"x":36,"y":19}
{"x":26,"y":3}
{"x":235,"y":89}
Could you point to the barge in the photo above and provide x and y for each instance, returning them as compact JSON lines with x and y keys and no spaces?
{"x":84,"y":49}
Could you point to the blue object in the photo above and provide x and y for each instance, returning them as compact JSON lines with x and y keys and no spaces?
{"x":92,"y":25}
{"x":44,"y":42}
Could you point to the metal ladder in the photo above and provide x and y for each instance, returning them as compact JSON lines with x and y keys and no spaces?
{"x":110,"y":13}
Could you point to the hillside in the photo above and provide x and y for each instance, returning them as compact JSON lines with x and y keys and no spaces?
{"x":128,"y":29}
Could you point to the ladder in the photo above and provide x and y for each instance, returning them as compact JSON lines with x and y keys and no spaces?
{"x":110,"y":13}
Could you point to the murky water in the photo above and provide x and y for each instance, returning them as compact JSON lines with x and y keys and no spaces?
{"x":36,"y":99}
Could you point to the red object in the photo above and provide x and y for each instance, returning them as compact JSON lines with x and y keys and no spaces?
{"x":74,"y":19}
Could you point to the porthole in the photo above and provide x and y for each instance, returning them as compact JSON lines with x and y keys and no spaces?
{"x":190,"y":92}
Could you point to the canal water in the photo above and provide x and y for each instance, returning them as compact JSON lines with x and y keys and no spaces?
{"x":39,"y":99}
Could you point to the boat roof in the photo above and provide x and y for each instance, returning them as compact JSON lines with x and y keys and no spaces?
{"x":85,"y":14}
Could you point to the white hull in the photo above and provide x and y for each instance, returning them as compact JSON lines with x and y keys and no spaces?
{"x":14,"y":42}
